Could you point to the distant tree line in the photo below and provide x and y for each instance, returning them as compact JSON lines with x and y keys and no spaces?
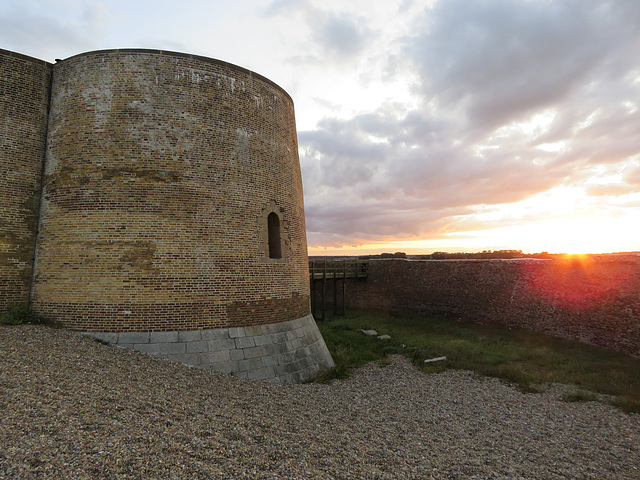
{"x":485,"y":254}
{"x":383,"y":255}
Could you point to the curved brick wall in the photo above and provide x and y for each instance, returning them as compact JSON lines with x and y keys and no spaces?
{"x":24,"y":98}
{"x":161,"y":171}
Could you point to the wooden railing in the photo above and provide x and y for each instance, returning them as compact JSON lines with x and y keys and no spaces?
{"x":337,"y":271}
{"x":319,"y":269}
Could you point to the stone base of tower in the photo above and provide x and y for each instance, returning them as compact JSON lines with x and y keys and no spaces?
{"x":292,"y":351}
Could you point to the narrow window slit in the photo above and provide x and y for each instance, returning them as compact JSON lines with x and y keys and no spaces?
{"x":275,"y":247}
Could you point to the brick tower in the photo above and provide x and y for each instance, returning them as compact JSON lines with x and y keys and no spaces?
{"x":171,"y":218}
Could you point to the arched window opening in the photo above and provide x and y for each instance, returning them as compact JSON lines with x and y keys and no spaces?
{"x":275,"y":247}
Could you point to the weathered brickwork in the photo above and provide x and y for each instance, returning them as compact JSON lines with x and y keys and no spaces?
{"x":154,"y":199}
{"x":159,"y":170}
{"x":262,"y":311}
{"x":593,"y":300}
{"x":24,"y":98}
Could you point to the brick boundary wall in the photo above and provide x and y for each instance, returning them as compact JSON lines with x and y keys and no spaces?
{"x":593,"y":300}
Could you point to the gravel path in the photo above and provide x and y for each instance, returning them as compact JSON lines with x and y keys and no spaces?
{"x":72,"y":408}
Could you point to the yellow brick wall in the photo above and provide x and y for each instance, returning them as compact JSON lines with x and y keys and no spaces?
{"x":24,"y":97}
{"x":159,"y":170}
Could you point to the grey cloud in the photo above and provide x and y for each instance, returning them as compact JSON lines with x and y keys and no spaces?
{"x":450,"y":154}
{"x":417,"y":128}
{"x":340,"y":35}
{"x":280,"y":7}
{"x":613,"y":135}
{"x":458,"y":177}
{"x":404,"y":189}
{"x":335,"y":37}
{"x":332,"y":223}
{"x":328,"y":104}
{"x":504,"y":59}
{"x":347,"y":158}
{"x":27,"y":32}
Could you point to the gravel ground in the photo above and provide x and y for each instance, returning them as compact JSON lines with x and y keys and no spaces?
{"x":72,"y":408}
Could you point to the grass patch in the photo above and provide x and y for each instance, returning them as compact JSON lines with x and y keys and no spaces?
{"x":18,"y":314}
{"x":528,"y":360}
{"x":350,"y":348}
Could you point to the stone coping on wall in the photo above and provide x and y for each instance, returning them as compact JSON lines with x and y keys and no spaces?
{"x":231,"y":66}
{"x":201,"y":58}
{"x":9,"y":53}
{"x":287,"y":352}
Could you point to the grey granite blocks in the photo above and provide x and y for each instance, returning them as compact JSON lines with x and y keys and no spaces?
{"x":289,"y":352}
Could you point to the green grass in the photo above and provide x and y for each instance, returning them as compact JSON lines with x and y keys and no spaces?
{"x":18,"y":314}
{"x":526,"y":359}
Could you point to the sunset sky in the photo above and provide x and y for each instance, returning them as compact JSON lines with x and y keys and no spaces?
{"x":423,"y":125}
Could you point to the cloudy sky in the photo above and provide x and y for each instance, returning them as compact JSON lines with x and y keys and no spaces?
{"x":423,"y":125}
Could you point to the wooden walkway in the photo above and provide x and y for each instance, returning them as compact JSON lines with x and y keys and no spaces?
{"x":337,"y":271}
